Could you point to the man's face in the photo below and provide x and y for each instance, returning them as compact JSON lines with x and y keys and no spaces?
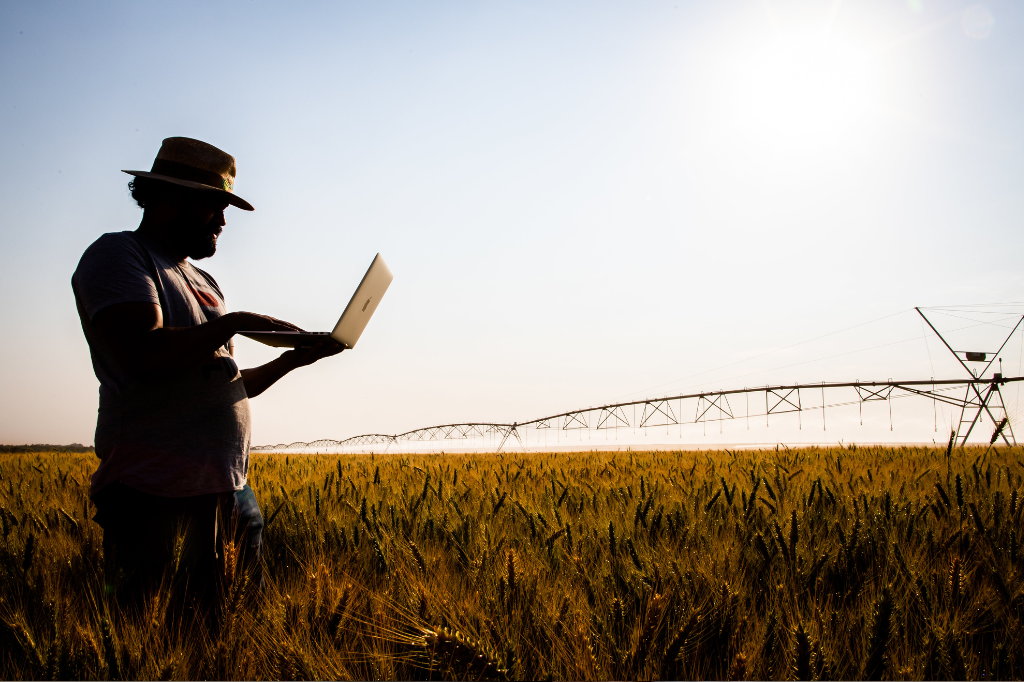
{"x":200,"y":221}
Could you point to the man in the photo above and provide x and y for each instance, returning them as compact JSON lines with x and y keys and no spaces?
{"x":173,"y":427}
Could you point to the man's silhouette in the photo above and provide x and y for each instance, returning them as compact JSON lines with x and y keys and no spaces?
{"x":173,"y":427}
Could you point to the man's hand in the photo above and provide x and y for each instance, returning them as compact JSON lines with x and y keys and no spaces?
{"x":254,"y":322}
{"x":259,"y":379}
{"x":300,"y":357}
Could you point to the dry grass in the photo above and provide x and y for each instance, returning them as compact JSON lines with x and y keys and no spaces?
{"x":815,"y":563}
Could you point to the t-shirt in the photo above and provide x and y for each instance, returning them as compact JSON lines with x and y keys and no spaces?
{"x":180,"y":434}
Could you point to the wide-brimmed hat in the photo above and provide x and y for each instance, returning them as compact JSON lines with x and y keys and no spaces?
{"x":192,"y":163}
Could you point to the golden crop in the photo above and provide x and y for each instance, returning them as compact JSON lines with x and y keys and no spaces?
{"x":781,"y":564}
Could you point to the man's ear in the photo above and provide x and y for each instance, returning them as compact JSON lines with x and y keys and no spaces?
{"x":164,"y":205}
{"x":173,"y":203}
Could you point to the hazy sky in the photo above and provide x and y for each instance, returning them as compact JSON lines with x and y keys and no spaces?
{"x":581,"y":201}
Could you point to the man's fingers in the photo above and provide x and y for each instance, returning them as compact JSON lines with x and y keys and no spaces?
{"x":328,"y":348}
{"x":321,"y":350}
{"x":266,"y":323}
{"x":283,"y":326}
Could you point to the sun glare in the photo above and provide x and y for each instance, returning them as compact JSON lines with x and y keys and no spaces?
{"x":797,"y":92}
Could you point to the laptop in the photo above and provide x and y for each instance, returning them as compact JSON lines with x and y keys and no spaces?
{"x":351,"y":323}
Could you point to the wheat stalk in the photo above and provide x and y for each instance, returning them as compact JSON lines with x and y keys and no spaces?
{"x":878,"y":642}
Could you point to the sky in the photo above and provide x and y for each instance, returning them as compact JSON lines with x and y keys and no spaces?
{"x":582,"y":202}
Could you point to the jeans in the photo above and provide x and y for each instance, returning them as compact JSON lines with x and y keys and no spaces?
{"x":174,"y":542}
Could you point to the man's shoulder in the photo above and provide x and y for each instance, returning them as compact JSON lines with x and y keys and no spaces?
{"x":115,"y":240}
{"x":112,"y":244}
{"x":110,"y":252}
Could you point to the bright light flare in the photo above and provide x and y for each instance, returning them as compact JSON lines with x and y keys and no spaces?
{"x":801,"y":92}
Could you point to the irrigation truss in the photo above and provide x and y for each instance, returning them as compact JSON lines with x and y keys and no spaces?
{"x":975,"y":395}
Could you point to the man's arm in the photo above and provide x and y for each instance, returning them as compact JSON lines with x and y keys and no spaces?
{"x":259,"y":379}
{"x":136,"y":335}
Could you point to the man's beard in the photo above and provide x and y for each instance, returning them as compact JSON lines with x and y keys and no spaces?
{"x":201,"y":242}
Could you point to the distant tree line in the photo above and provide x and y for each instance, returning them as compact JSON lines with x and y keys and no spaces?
{"x":74,"y":447}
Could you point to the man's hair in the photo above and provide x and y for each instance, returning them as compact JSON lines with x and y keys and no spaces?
{"x":146,"y":191}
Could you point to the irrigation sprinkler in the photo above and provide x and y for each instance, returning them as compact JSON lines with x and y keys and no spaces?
{"x":981,"y":395}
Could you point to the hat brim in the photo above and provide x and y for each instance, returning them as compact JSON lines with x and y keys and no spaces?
{"x":232,"y":199}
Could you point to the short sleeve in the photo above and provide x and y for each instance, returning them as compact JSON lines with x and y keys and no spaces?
{"x":113,"y":270}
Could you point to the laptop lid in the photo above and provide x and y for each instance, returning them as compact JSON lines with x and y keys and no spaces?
{"x":363,"y":302}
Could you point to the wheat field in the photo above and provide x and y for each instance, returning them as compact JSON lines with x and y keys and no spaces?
{"x":849,"y":562}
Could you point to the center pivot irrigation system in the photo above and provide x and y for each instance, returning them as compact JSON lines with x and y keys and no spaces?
{"x":976,"y":396}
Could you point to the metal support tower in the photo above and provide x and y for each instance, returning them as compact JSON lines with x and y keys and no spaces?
{"x":985,"y":400}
